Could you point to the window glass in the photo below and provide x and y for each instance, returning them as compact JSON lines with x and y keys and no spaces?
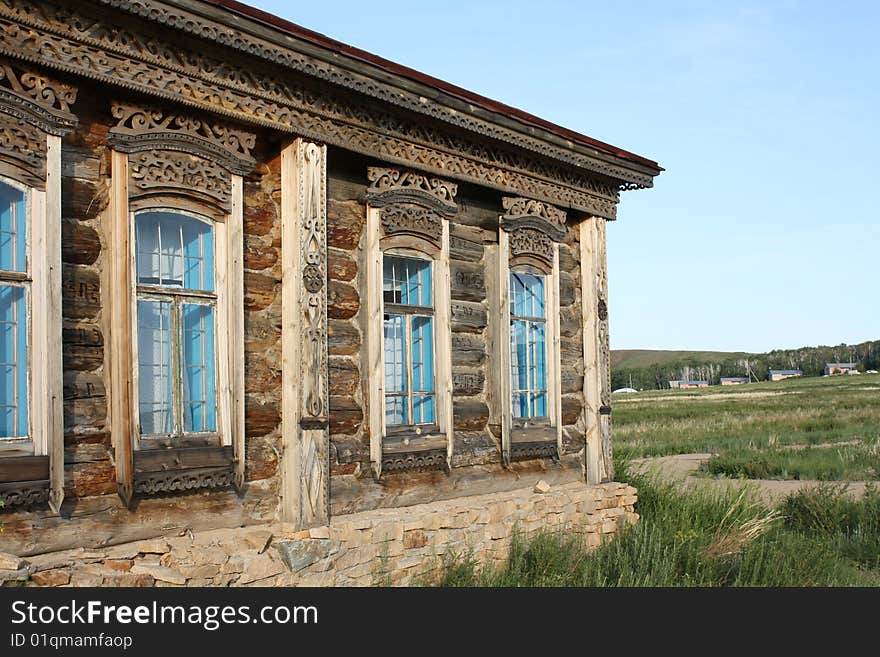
{"x":177,"y":373}
{"x":174,"y":250}
{"x":528,"y":360}
{"x":13,"y":362}
{"x":13,"y":229}
{"x":408,"y":341}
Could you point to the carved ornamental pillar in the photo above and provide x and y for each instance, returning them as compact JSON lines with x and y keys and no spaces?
{"x":597,"y":353}
{"x":305,"y":497}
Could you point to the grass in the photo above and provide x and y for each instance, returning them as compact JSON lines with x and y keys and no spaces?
{"x":859,"y":462}
{"x":818,"y":537}
{"x":757,"y":416}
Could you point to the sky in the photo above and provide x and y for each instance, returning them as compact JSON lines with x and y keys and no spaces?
{"x":762,"y":232}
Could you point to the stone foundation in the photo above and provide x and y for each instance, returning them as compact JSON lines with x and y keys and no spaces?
{"x":391,"y":546}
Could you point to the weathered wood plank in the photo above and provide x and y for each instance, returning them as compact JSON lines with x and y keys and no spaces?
{"x":159,"y":460}
{"x":24,"y":468}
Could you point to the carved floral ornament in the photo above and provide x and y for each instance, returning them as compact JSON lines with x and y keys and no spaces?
{"x":80,"y":41}
{"x":146,"y":128}
{"x":533,"y":227}
{"x":412,"y":203}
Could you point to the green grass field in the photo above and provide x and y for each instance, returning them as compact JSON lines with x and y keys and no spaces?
{"x":806,"y":428}
{"x":819,"y":428}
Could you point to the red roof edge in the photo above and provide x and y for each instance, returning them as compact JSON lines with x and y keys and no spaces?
{"x":525,"y":118}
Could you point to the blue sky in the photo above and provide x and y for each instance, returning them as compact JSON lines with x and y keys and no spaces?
{"x":763,"y":231}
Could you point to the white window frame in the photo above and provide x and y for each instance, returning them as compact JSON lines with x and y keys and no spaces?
{"x":376,"y":247}
{"x":122,"y":313}
{"x":42,"y":278}
{"x":503,"y":318}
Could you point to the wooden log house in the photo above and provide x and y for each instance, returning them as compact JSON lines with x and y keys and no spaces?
{"x":252,"y":274}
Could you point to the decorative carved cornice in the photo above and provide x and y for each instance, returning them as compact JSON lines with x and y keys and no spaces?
{"x":151,"y":483}
{"x":531,"y":242}
{"x":393,"y":186}
{"x":83,"y":44}
{"x":36,"y":99}
{"x":24,"y":493}
{"x":532,"y":215}
{"x":147,"y":128}
{"x":22,"y":151}
{"x":432,"y":459}
{"x":170,"y":172}
{"x":249,"y":44}
{"x":406,"y":219}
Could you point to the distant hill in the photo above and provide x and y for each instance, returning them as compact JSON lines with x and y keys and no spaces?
{"x":647,"y":369}
{"x":631,"y":358}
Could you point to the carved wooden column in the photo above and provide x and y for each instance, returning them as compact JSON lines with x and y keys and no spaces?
{"x":305,"y":496}
{"x":597,"y":355}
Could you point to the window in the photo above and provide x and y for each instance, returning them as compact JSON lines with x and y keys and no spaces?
{"x":528,"y":351}
{"x":176,"y":326}
{"x":14,"y":300}
{"x":408,"y":337}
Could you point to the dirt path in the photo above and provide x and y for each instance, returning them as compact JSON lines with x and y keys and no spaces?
{"x":682,"y":468}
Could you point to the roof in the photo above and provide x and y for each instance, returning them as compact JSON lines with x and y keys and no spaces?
{"x":786,"y":371}
{"x":840,"y":364}
{"x":384,"y":65}
{"x":734,"y":378}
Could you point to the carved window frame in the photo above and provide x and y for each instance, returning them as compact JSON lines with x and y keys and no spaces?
{"x":528,"y":237}
{"x":408,"y":214}
{"x":164,"y":161}
{"x":34,"y":115}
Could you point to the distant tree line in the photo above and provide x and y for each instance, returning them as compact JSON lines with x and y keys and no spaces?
{"x":809,"y":359}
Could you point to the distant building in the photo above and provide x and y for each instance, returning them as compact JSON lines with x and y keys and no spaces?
{"x":840,"y":368}
{"x":778,"y":375}
{"x":734,"y":380}
{"x":688,"y":384}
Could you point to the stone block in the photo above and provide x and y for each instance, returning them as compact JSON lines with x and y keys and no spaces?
{"x":159,"y":573}
{"x":51,"y":578}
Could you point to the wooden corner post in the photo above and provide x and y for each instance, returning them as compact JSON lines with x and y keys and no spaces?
{"x":305,"y":495}
{"x":597,"y":355}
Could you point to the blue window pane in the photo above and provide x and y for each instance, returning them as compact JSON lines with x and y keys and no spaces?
{"x":536,"y":289}
{"x":520,"y":404}
{"x":154,"y":367}
{"x":395,"y":410}
{"x":406,"y":281}
{"x":13,"y":362}
{"x":395,"y":353}
{"x":423,"y":354}
{"x":174,"y":250}
{"x":518,"y":361}
{"x":13,"y":228}
{"x":538,"y":360}
{"x":423,"y":409}
{"x":199,"y":378}
{"x":539,"y":404}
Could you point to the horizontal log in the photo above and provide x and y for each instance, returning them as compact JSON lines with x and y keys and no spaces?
{"x":80,"y":292}
{"x":80,"y":243}
{"x":259,"y":290}
{"x":468,"y":382}
{"x":469,"y":415}
{"x":340,"y":265}
{"x":345,"y":223}
{"x":344,"y":376}
{"x":467,"y":316}
{"x":346,"y":415}
{"x":343,"y":338}
{"x":343,"y":301}
{"x":468,"y":350}
{"x":467,"y":281}
{"x":474,"y":448}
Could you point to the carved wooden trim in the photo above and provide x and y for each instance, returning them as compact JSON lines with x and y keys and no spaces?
{"x":69,"y":41}
{"x":411,"y":203}
{"x":158,"y":173}
{"x":170,"y":481}
{"x":250,"y":44}
{"x":431,"y":459}
{"x":538,"y":449}
{"x":305,"y":495}
{"x":140,"y":128}
{"x":534,"y":227}
{"x":36,"y":99}
{"x":597,"y":356}
{"x":24,"y":493}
